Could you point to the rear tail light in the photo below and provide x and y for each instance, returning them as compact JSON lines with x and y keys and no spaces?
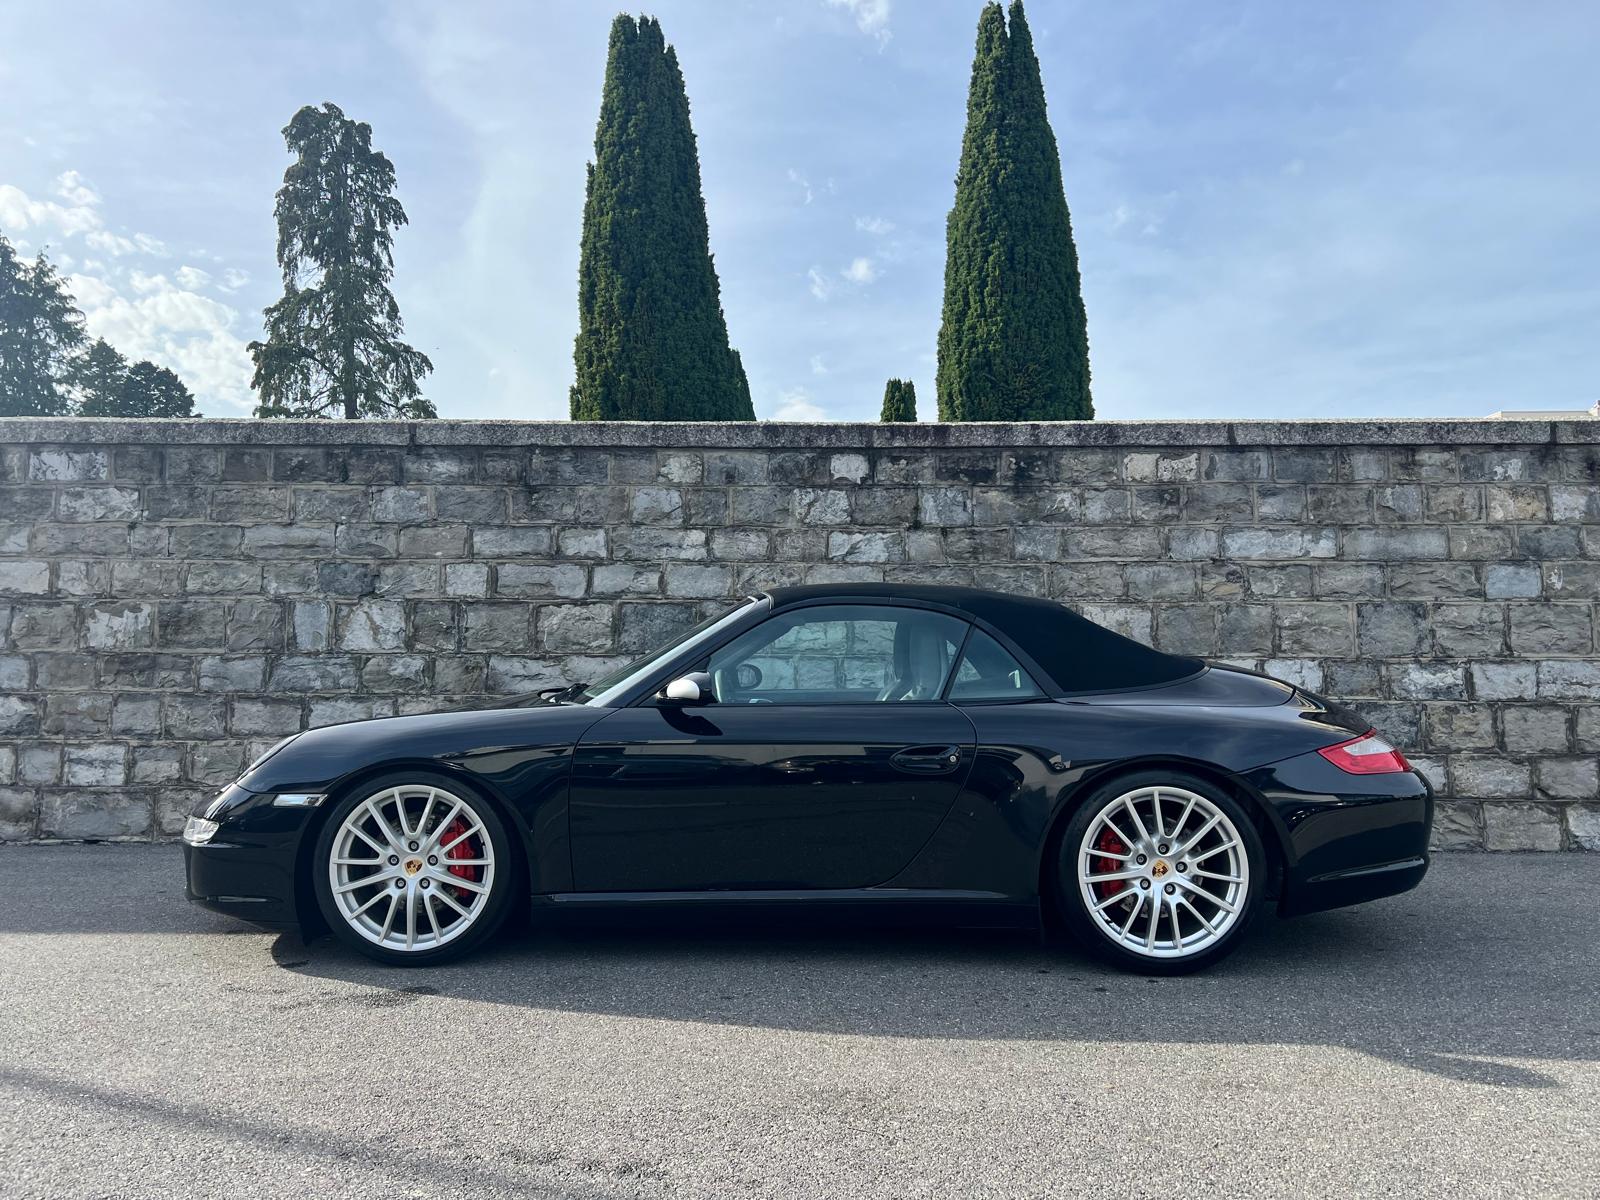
{"x":1368,"y":754}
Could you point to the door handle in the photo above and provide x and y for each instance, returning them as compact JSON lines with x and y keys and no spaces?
{"x":927,"y":760}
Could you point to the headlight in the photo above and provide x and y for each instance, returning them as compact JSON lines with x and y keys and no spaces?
{"x":197,"y":831}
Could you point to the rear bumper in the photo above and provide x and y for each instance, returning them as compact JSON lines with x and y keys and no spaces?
{"x":1346,"y":839}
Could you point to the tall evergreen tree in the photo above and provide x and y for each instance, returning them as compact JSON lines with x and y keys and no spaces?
{"x":652,"y":338}
{"x":99,"y":378}
{"x":1014,"y":342}
{"x":41,"y":334}
{"x":899,"y":401}
{"x":333,"y":343}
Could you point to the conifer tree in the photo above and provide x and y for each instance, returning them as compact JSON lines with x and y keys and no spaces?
{"x":899,"y":401}
{"x":41,"y":335}
{"x":652,"y":339}
{"x":1013,"y":344}
{"x":333,"y":343}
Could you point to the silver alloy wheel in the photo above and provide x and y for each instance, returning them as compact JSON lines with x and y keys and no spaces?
{"x":1163,"y":872}
{"x":412,"y":867}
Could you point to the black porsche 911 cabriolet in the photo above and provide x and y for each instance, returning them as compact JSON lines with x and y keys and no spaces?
{"x":995,"y":757}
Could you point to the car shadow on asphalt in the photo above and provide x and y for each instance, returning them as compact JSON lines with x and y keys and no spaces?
{"x":1368,"y":980}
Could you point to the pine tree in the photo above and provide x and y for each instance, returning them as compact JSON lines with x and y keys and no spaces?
{"x":899,"y":401}
{"x":652,"y":338}
{"x":333,"y":343}
{"x":99,"y":377}
{"x":41,"y":334}
{"x":143,"y":390}
{"x":1014,"y":343}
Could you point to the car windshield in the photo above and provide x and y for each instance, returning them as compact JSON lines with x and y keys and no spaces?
{"x":604,"y":692}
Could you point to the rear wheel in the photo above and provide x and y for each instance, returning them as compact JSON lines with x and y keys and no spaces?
{"x":1160,"y":872}
{"x":413,"y":869}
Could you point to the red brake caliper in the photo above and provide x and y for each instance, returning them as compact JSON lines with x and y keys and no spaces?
{"x":462,"y":849}
{"x":1111,"y":844}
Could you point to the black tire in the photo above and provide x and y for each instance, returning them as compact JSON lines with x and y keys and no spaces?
{"x":496,"y":902}
{"x":1093,"y":932}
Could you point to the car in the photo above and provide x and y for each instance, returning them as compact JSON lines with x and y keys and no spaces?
{"x":996,"y":759}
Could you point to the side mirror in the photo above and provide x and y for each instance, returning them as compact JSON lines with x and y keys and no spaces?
{"x":693,"y":688}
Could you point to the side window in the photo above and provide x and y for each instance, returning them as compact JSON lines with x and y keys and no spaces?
{"x":840,"y":654}
{"x":989,"y":672}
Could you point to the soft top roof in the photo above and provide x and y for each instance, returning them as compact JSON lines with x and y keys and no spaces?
{"x":1076,"y":654}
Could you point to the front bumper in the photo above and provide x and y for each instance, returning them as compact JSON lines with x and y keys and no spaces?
{"x":247,"y":869}
{"x":1347,"y":838}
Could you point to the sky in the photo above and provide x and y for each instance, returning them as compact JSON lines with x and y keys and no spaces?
{"x":1281,"y":210}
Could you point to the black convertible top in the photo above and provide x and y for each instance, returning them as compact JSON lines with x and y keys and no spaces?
{"x":1076,"y":654}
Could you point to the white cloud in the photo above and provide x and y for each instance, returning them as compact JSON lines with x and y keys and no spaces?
{"x":795,"y":404}
{"x":821,"y":285}
{"x":876,"y":226}
{"x":861,"y":270}
{"x":139,"y":310}
{"x":818,"y":367}
{"x":805,"y":184}
{"x":872,"y":17}
{"x":233,"y":279}
{"x":71,"y":188}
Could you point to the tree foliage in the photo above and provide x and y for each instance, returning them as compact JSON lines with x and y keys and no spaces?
{"x":109,"y":387}
{"x":333,"y":343}
{"x":652,"y":339}
{"x":1013,"y":344}
{"x":41,"y":334}
{"x":899,"y":401}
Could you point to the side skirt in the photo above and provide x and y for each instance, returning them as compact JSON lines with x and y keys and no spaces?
{"x":987,"y":909}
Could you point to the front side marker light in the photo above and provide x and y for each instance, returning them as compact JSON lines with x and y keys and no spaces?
{"x":297,"y":799}
{"x":197,"y":831}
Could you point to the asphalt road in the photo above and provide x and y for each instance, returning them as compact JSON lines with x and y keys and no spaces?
{"x":1443,"y":1043}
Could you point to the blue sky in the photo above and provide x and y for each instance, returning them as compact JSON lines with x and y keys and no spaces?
{"x":1281,"y":209}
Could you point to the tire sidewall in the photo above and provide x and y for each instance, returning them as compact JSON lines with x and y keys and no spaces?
{"x":1086,"y":929}
{"x":496,"y":905}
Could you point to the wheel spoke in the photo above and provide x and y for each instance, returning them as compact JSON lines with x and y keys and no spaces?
{"x":427,"y":907}
{"x":1182,"y":817}
{"x":364,"y":881}
{"x":451,"y":901}
{"x":1155,"y":804}
{"x":1214,"y":851}
{"x":1200,"y":833}
{"x":369,"y":902}
{"x":1122,"y":895}
{"x":1138,"y":823}
{"x":1199,"y":874}
{"x":1112,"y":875}
{"x":456,"y":841}
{"x":1132,"y":917}
{"x":457,"y":881}
{"x":1205,"y":895}
{"x":388,"y":921}
{"x":1112,"y":825}
{"x":411,"y":917}
{"x":438,"y":831}
{"x":1198,"y":915}
{"x":383,"y":825}
{"x":1155,"y":919}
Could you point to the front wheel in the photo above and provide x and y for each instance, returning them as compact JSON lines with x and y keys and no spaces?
{"x":412,"y":869}
{"x":1160,"y":873}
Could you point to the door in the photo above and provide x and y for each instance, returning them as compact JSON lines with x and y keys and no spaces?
{"x":827,"y":761}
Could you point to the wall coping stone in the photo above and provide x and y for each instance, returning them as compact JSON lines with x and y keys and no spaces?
{"x":768,"y":435}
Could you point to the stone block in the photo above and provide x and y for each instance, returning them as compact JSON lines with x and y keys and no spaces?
{"x":540,"y":581}
{"x":360,"y":539}
{"x":242,"y":505}
{"x":1568,"y":778}
{"x":136,"y":715}
{"x":119,"y":625}
{"x":1427,"y":681}
{"x":395,"y":673}
{"x":1457,"y":825}
{"x":1395,"y":629}
{"x":69,"y":466}
{"x":943,"y":506}
{"x":27,"y":577}
{"x":1450,"y":727}
{"x":1535,"y":729}
{"x":255,"y":625}
{"x":1583,"y":825}
{"x":314,"y":673}
{"x":678,"y":545}
{"x":499,"y":627}
{"x":1315,"y":628}
{"x":689,"y":581}
{"x":1551,"y":628}
{"x":232,"y":673}
{"x":582,"y":543}
{"x":510,"y":674}
{"x":1393,"y":543}
{"x":512,"y":541}
{"x":1266,"y":543}
{"x":1489,"y":778}
{"x":1522,"y":827}
{"x":466,"y":579}
{"x":401,"y":505}
{"x":95,"y":816}
{"x":39,"y":764}
{"x":108,"y":503}
{"x":264,"y":716}
{"x":288,"y":541}
{"x":371,"y":625}
{"x":1511,"y":581}
{"x":97,"y":766}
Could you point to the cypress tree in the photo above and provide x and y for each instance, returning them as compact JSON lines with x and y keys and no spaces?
{"x":899,"y":401}
{"x":1014,"y":342}
{"x":652,"y":339}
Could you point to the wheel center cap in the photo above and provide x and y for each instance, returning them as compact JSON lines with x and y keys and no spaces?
{"x":1158,"y":870}
{"x":413,"y":865}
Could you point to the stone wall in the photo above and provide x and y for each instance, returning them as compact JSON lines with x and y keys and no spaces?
{"x":174,"y":596}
